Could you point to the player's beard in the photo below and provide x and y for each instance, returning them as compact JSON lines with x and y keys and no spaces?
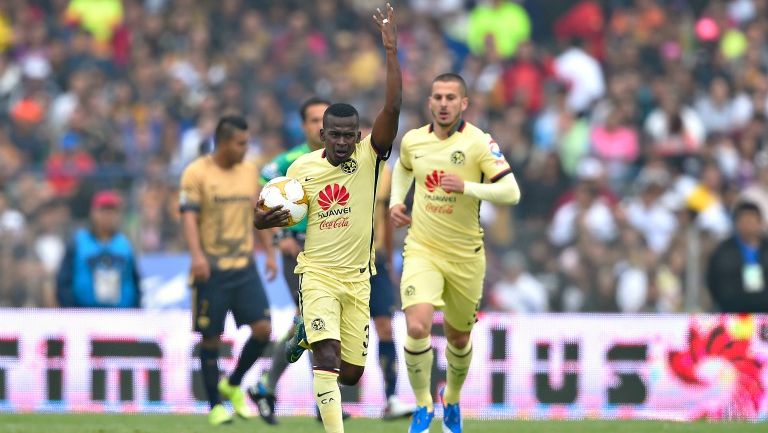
{"x":445,"y":124}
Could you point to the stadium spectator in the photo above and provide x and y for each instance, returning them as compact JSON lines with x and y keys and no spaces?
{"x":519,"y":291}
{"x":737,"y":271}
{"x":99,"y":267}
{"x":498,"y":26}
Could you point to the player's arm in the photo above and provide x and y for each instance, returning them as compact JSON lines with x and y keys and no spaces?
{"x":385,"y":125}
{"x":402,"y":178}
{"x":189,"y":202}
{"x":502,"y":189}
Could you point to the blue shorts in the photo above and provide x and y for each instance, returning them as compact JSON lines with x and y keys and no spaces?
{"x":238,"y":290}
{"x":382,"y":301}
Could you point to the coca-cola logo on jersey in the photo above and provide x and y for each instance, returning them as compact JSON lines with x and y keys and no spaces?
{"x":337,"y":223}
{"x":326,"y":199}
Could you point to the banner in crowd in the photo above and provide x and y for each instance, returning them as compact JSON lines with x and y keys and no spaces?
{"x":545,"y":366}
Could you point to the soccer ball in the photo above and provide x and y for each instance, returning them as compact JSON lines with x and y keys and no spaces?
{"x":290,"y":194}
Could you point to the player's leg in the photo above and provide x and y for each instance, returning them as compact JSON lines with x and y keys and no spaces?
{"x":382,"y":307}
{"x":321,"y":314}
{"x":209,"y":310}
{"x":249,"y":307}
{"x":279,"y":363}
{"x":263,"y":391}
{"x":463,"y":290}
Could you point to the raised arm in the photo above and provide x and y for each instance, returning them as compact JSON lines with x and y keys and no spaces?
{"x":385,"y":125}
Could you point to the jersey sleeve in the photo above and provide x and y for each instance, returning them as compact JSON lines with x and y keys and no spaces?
{"x":191,"y":191}
{"x":492,"y":162}
{"x":293,"y":170}
{"x":405,"y":152}
{"x":385,"y":184}
{"x":367,"y":149}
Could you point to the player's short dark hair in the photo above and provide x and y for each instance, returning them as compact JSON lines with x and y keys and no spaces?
{"x":315,"y":100}
{"x":227,"y":125}
{"x":456,"y":78}
{"x":340,"y":109}
{"x":744,"y":207}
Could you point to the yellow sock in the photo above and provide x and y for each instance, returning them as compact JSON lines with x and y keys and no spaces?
{"x":328,"y":398}
{"x":458,"y":366}
{"x":418,"y":359}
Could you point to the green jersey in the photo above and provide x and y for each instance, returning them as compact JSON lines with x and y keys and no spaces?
{"x":279,"y":167}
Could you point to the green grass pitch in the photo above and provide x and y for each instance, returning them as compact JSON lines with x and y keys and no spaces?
{"x":82,"y":423}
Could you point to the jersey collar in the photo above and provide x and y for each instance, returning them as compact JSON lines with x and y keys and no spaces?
{"x":458,"y":128}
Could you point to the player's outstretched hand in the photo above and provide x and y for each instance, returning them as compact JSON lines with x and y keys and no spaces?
{"x":386,"y":23}
{"x":398,"y":215}
{"x":451,"y":183}
{"x":267,"y":219}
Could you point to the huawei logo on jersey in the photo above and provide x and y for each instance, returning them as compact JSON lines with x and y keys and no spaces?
{"x":433,"y":180}
{"x":332,"y":194}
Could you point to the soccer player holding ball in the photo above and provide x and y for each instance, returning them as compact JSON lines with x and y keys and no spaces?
{"x":338,"y":258}
{"x":444,"y":260}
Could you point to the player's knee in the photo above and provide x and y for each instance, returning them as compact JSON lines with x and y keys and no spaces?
{"x":261,"y":330}
{"x":327,"y":354}
{"x":350,"y":374}
{"x":210,"y":342}
{"x":383,"y":328}
{"x":418,"y":330}
{"x":458,"y":341}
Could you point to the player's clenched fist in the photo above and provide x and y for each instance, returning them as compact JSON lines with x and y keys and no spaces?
{"x":398,"y":215}
{"x":451,"y":183}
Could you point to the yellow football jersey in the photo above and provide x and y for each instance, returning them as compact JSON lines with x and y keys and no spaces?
{"x":224,"y":200}
{"x":448,"y":224}
{"x":340,"y":223}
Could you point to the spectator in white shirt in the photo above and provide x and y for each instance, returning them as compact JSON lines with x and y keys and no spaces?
{"x":588,"y":213}
{"x":519,"y":291}
{"x":648,"y":215}
{"x":583,"y":75}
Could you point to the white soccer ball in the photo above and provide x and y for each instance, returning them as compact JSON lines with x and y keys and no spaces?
{"x":287,"y":192}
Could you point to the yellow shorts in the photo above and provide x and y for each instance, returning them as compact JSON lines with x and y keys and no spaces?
{"x":337,"y":310}
{"x":454,"y":287}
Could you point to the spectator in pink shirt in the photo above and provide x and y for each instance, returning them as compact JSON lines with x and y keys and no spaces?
{"x":616,"y":145}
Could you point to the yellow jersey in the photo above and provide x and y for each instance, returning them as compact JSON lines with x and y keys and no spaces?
{"x":448,"y":224}
{"x":224,"y":200}
{"x":381,"y":215}
{"x":340,"y":225}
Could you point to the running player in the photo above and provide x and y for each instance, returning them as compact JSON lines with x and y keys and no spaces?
{"x":338,"y":258}
{"x":291,"y":243}
{"x":217,"y":199}
{"x":444,"y":260}
{"x":382,"y":302}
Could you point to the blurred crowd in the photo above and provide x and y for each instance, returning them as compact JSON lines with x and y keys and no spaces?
{"x":632,"y":126}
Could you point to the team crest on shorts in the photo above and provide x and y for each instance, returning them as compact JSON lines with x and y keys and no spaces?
{"x":318,"y":324}
{"x":458,"y":157}
{"x":203,"y":321}
{"x":349,"y":166}
{"x":410,"y":290}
